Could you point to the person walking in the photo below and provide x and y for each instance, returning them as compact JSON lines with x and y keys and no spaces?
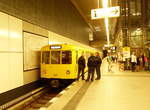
{"x":81,"y":67}
{"x":98,"y":65}
{"x":91,"y":67}
{"x":109,"y":60}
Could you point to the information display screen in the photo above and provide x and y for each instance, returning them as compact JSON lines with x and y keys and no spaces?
{"x":55,"y":47}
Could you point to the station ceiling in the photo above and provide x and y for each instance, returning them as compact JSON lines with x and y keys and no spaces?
{"x":97,"y":26}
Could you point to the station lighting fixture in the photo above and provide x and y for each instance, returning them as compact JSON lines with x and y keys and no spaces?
{"x":105,"y":12}
{"x":97,"y":28}
{"x":90,"y":36}
{"x":105,"y":5}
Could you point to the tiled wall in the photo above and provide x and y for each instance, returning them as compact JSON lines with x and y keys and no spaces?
{"x":58,"y":16}
{"x":28,"y":28}
{"x":11,"y":53}
{"x":12,"y":74}
{"x":55,"y":38}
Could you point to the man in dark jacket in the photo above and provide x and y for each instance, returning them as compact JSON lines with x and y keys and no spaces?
{"x":98,"y":64}
{"x":81,"y":67}
{"x":91,"y":67}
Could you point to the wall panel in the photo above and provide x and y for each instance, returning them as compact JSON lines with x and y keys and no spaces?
{"x":11,"y":59}
{"x":58,"y":16}
{"x":59,"y":39}
{"x":31,"y":76}
{"x":32,"y":46}
{"x":15,"y":70}
{"x":4,"y":72}
{"x":3,"y":32}
{"x":15,"y":34}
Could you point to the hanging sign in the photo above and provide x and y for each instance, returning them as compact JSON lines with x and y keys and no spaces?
{"x":105,"y":12}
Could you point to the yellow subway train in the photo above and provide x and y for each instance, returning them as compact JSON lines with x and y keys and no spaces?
{"x":59,"y":62}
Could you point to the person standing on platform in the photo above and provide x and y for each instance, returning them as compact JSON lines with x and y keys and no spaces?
{"x":141,"y":63}
{"x":138,"y":64}
{"x":133,"y":61}
{"x":91,"y":67}
{"x":81,"y":67}
{"x":98,"y":65}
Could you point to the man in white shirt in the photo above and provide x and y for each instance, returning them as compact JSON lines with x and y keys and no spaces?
{"x":133,"y":61}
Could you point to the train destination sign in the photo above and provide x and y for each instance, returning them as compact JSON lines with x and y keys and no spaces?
{"x":55,"y":47}
{"x":105,"y":12}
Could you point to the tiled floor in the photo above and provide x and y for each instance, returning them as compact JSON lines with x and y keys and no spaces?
{"x":115,"y":91}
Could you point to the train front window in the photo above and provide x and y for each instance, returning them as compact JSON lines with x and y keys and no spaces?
{"x":45,"y":57}
{"x":55,"y":57}
{"x":66,"y":57}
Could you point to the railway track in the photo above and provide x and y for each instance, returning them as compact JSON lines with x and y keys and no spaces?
{"x":39,"y":101}
{"x":36,"y":101}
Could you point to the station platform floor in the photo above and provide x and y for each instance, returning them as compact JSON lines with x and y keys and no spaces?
{"x":117,"y":90}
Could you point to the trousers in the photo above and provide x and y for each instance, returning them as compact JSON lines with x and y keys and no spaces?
{"x":98,"y":72}
{"x":81,"y":69}
{"x":91,"y":71}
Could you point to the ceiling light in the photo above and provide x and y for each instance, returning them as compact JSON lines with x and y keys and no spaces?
{"x":105,"y":5}
{"x":90,"y":36}
{"x":97,"y":28}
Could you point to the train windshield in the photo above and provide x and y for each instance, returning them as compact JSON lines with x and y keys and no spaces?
{"x":45,"y":57}
{"x":66,"y":57}
{"x":55,"y":57}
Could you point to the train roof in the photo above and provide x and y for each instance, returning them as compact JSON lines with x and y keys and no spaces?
{"x":65,"y":47}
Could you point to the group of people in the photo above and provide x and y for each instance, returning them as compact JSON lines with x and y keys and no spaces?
{"x":94,"y":63}
{"x":139,"y":62}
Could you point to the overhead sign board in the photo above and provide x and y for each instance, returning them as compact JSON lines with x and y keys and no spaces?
{"x":105,"y":12}
{"x":126,"y":52}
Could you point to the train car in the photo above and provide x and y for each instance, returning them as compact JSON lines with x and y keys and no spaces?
{"x":59,"y":62}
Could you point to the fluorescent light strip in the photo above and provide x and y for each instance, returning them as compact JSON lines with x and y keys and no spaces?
{"x":105,"y":5}
{"x":107,"y":30}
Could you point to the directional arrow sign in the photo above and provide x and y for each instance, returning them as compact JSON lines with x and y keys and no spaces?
{"x":105,"y":12}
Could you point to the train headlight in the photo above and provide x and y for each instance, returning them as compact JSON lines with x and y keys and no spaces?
{"x":67,"y":72}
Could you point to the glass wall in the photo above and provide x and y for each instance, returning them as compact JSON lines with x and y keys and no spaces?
{"x":136,"y":38}
{"x":135,"y":7}
{"x":132,"y":23}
